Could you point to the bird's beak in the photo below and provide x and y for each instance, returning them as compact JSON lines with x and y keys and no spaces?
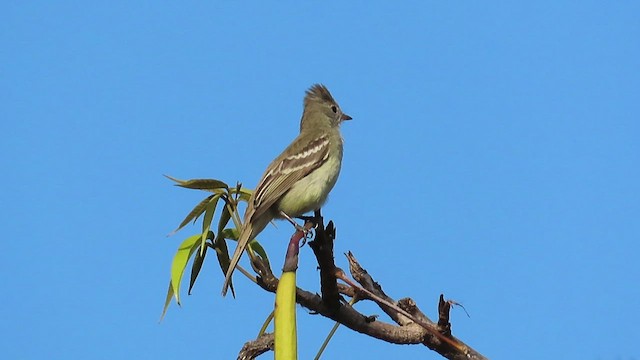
{"x":345,"y":117}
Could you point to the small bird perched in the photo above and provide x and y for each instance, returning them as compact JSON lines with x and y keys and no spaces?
{"x":300,"y":179}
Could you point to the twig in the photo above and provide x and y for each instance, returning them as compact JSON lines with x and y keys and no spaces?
{"x":259,"y":346}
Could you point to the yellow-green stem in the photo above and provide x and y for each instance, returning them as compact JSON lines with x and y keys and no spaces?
{"x":286,"y":342}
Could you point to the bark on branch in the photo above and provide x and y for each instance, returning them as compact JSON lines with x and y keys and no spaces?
{"x":411,"y":326}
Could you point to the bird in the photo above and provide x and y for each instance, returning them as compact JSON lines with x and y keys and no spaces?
{"x":301,"y":177}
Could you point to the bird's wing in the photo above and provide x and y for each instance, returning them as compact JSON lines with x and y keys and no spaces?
{"x":285,"y":171}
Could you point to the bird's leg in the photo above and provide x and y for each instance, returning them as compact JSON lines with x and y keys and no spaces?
{"x":293,"y":222}
{"x":304,"y":230}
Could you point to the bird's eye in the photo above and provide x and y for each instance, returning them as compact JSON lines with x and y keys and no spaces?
{"x":334,"y":109}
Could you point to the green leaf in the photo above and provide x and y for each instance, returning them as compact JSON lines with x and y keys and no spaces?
{"x":231,"y":234}
{"x":180,"y":260}
{"x":196,"y":212}
{"x":220,"y":243}
{"x":222,"y":253}
{"x":206,"y":221}
{"x":245,"y":194}
{"x":197,"y":265}
{"x":200,"y":184}
{"x":224,"y":217}
{"x":167,"y":301}
{"x":255,"y":246}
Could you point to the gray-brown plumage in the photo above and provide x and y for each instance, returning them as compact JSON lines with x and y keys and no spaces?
{"x":300,"y":179}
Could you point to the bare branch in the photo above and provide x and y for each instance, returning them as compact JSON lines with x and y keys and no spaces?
{"x":414,"y":327}
{"x":254,"y":348}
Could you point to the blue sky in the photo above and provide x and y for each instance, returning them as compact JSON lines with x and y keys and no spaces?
{"x":493,"y":157}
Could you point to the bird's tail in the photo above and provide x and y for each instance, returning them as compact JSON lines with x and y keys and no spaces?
{"x":243,"y":241}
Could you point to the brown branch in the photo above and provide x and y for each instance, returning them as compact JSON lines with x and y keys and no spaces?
{"x":322,"y":246}
{"x":259,"y":346}
{"x":414,"y":327}
{"x":437,"y":338}
{"x":443,"y":315}
{"x":362,"y":276}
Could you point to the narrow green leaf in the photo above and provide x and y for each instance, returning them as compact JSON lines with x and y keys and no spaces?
{"x":197,"y":266}
{"x":206,"y":221}
{"x":220,"y":244}
{"x":231,"y":233}
{"x":200,"y":184}
{"x":245,"y":194}
{"x":222,"y":253}
{"x":195,"y":213}
{"x":255,"y":246}
{"x":173,"y":179}
{"x":224,"y":218}
{"x":180,"y":260}
{"x":167,"y":301}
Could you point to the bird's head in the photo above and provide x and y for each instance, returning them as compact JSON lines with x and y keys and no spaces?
{"x":320,"y":109}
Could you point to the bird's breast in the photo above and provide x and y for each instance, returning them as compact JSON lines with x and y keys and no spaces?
{"x":310,"y":192}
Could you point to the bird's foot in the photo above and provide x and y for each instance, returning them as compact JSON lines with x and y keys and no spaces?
{"x":304,"y":230}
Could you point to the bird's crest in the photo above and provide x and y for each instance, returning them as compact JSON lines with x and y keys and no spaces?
{"x":318,"y":93}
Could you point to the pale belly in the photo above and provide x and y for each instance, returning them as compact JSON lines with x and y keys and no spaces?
{"x":311,"y":192}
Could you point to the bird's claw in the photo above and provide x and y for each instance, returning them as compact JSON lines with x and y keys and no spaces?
{"x":306,"y":234}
